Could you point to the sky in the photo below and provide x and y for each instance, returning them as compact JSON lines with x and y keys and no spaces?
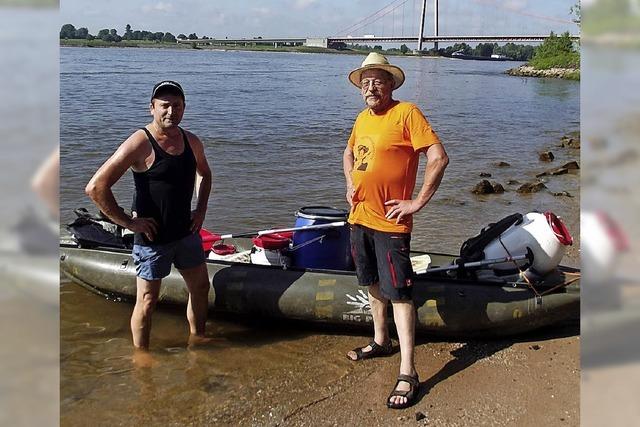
{"x":319,"y":18}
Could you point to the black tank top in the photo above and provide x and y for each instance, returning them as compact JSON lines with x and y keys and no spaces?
{"x":164,"y":192}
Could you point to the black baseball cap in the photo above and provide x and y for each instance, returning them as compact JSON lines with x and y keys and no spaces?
{"x":167,"y":86}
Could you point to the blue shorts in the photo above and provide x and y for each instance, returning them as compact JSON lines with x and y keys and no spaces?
{"x":153,"y":262}
{"x":383,"y":258}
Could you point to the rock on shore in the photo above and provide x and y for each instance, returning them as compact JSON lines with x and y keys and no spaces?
{"x":529,"y":71}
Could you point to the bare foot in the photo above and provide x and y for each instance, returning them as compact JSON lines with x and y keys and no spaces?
{"x":407,"y":385}
{"x":373,"y":349}
{"x":400,"y":400}
{"x":143,"y":359}
{"x":198,"y":341}
{"x":354,"y":356}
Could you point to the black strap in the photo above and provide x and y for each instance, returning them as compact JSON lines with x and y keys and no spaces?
{"x":473,"y":249}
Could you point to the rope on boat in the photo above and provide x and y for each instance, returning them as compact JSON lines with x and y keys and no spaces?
{"x":562,"y":285}
{"x":522,"y":273}
{"x":533,"y":288}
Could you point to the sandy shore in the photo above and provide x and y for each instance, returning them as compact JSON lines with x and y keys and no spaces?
{"x":532,"y":382}
{"x":528,"y":381}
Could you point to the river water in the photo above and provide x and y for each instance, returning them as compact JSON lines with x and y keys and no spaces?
{"x":274,"y":126}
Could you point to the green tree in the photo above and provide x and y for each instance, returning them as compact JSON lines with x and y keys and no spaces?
{"x":103,"y":34}
{"x":556,"y":51}
{"x":82,"y":33}
{"x":67,"y":31}
{"x":484,"y":49}
{"x":193,"y":36}
{"x":168,"y":38}
{"x":404,"y":49}
{"x":463,"y":47}
{"x":182,"y":36}
{"x":128,"y":34}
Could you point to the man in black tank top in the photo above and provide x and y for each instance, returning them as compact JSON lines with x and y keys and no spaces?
{"x":164,"y":160}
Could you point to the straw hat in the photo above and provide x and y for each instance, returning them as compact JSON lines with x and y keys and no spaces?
{"x":376,"y":60}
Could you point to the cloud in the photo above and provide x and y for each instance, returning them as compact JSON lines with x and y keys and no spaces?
{"x":218,"y":18}
{"x":158,"y":7}
{"x":303,"y":4}
{"x":516,"y":4}
{"x":261,"y":11}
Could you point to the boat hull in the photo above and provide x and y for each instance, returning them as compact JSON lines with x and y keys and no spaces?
{"x":445,"y":306}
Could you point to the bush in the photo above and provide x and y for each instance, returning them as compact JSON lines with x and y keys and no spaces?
{"x":556,"y":52}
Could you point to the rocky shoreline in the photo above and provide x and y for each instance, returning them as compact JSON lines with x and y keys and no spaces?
{"x":529,"y":71}
{"x":571,"y":142}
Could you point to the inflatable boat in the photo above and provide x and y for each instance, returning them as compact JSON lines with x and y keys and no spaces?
{"x":453,"y":295}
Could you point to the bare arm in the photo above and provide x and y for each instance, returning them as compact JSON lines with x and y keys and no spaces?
{"x":132,"y":152}
{"x":347,"y":166}
{"x":437,"y":161}
{"x":204,"y":189}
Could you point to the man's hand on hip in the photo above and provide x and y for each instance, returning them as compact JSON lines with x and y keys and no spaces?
{"x":146,"y":226}
{"x":401,"y":209}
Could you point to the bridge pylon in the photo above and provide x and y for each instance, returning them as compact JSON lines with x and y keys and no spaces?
{"x":435,"y":23}
{"x":421,"y":31}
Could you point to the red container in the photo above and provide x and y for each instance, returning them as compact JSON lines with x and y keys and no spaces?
{"x":223,"y":249}
{"x":274,"y":242}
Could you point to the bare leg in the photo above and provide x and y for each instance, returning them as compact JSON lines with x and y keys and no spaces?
{"x":378,"y":305}
{"x":197,"y":280}
{"x":379,"y":312}
{"x":146,"y":298}
{"x":404,"y":315}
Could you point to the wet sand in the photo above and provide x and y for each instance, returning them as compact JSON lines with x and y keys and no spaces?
{"x":271,"y":373}
{"x":532,"y":381}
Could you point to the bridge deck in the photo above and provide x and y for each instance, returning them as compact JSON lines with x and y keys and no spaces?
{"x":401,"y":39}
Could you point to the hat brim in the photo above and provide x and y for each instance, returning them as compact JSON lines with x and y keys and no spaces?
{"x":355,"y":76}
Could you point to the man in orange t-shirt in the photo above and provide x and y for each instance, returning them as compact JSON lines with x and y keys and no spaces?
{"x":380,"y":168}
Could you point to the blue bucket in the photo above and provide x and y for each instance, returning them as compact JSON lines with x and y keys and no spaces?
{"x":325,"y":248}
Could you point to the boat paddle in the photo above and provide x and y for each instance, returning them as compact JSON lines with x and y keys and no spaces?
{"x":482,"y":263}
{"x":283,"y":230}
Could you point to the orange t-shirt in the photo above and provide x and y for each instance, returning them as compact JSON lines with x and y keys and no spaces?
{"x":386,"y":154}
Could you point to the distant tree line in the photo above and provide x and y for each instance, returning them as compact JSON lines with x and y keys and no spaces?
{"x":68,"y":31}
{"x":518,"y":52}
{"x":514,"y":51}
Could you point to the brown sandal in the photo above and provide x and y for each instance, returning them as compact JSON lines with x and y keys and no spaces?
{"x":377,"y":350}
{"x":410,"y":394}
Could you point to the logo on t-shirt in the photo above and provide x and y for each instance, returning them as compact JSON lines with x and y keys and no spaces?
{"x":364,"y":154}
